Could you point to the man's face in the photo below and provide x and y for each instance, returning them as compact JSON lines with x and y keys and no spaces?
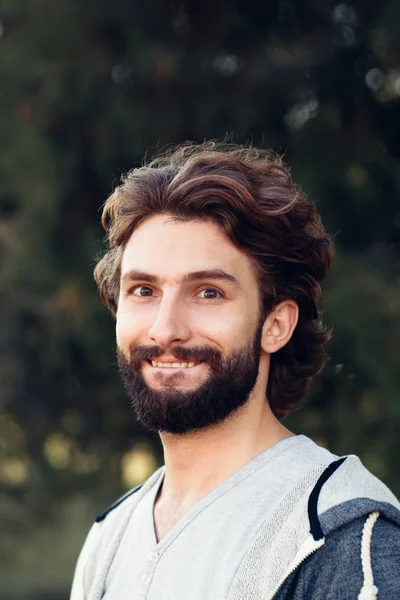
{"x":188,"y":325}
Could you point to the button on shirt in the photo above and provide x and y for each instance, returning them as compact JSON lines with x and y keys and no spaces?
{"x":199,"y":558}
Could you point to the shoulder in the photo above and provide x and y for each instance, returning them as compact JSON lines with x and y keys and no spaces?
{"x":353,"y":480}
{"x":105,"y":535}
{"x":352,"y":492}
{"x":117,"y":503}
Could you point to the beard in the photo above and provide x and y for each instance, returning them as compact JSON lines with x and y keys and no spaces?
{"x":169,"y":409}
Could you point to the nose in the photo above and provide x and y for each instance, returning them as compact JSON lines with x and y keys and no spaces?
{"x":170,"y":323}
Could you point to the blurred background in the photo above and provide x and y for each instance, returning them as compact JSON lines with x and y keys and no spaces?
{"x":87,"y":89}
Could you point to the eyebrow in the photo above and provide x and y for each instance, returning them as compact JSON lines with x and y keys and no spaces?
{"x":219,"y":274}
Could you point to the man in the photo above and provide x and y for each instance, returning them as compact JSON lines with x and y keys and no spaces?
{"x":212,"y":273}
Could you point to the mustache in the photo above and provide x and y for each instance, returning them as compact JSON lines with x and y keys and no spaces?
{"x":194,"y":354}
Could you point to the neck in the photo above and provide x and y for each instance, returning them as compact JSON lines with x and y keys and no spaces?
{"x":198,"y":462}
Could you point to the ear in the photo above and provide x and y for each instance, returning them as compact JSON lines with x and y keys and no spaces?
{"x":279,"y":326}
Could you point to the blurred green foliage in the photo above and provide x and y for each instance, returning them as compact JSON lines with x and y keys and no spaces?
{"x":87,"y":88}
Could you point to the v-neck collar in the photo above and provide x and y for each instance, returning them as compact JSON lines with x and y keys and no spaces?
{"x":224,"y":487}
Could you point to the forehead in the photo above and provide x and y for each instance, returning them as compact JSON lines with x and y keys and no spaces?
{"x":163,"y":246}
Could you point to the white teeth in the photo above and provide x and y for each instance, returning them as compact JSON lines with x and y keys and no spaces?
{"x":176,"y":365}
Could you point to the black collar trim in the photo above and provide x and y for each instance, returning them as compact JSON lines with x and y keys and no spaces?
{"x":315,"y":526}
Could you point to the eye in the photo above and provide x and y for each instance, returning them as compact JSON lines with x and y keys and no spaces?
{"x":142,"y":291}
{"x":210,"y":294}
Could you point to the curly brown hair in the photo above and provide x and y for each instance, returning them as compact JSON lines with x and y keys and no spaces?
{"x":249,"y":193}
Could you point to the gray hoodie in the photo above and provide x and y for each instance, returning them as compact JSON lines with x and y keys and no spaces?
{"x":330,"y":513}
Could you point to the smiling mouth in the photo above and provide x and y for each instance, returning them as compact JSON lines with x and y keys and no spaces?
{"x":172,"y":365}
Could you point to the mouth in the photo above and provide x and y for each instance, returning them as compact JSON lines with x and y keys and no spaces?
{"x":172,"y":365}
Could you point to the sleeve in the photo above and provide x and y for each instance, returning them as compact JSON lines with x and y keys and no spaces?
{"x":78,"y":591}
{"x":335,"y":571}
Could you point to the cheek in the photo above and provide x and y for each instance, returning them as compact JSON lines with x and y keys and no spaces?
{"x":227,"y":330}
{"x":128,"y":329}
